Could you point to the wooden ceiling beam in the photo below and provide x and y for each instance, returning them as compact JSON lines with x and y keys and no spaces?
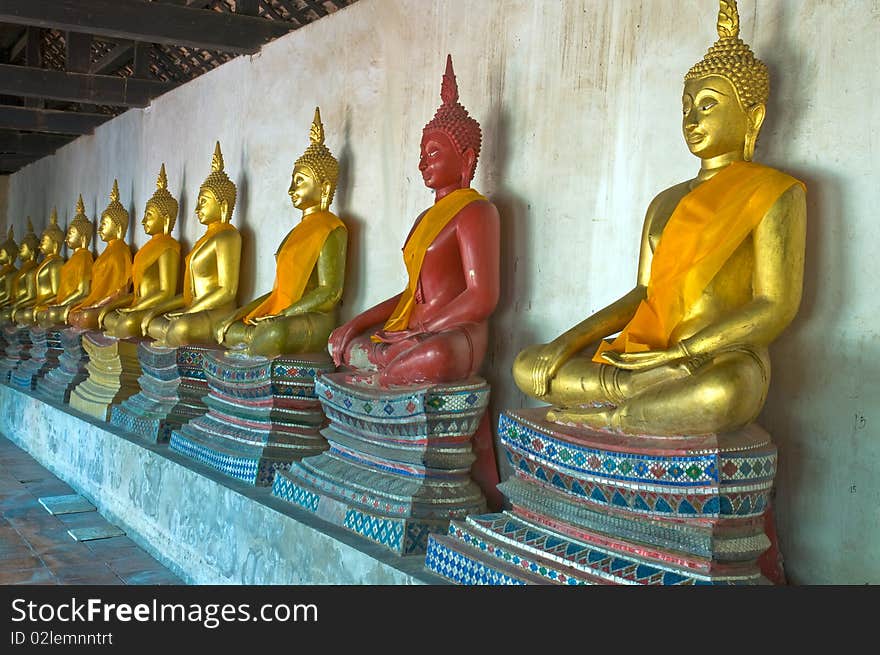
{"x":49,"y":120}
{"x":118,"y":57}
{"x":79,"y":87}
{"x":152,"y":22}
{"x":18,"y":143}
{"x":12,"y":163}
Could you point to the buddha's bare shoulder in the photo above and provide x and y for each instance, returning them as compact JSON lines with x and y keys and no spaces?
{"x":478,"y":210}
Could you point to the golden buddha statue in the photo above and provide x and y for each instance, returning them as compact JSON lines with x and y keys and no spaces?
{"x":23,"y":284}
{"x":47,"y":275}
{"x":210,"y":279}
{"x":8,"y":255}
{"x":154,"y":270}
{"x":75,"y":275}
{"x":299,"y":314}
{"x":111,"y":272}
{"x":719,"y":277}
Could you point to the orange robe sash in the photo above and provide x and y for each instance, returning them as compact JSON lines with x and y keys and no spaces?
{"x":153,"y":249}
{"x":432,"y":223}
{"x":295,"y":261}
{"x":111,"y":273}
{"x":77,"y":268}
{"x":213,"y":230}
{"x":705,"y":229}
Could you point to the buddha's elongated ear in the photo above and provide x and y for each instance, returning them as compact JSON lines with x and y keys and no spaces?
{"x":468,"y":166}
{"x":756,"y":114}
{"x":224,"y":211}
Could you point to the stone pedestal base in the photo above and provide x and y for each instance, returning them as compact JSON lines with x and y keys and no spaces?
{"x":44,"y":354}
{"x":57,"y":384}
{"x":18,"y":347}
{"x":600,"y":508}
{"x":113,"y":373}
{"x":263,"y":414}
{"x":398,"y":467}
{"x":172,"y":392}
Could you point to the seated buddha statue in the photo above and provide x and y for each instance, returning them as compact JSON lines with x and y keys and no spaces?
{"x":210,"y":278}
{"x":436,"y":330}
{"x":111,"y":272}
{"x":299,"y":313}
{"x":23,"y":284}
{"x":154,"y":270}
{"x":719,"y":277}
{"x":8,"y":255}
{"x":75,"y":275}
{"x":47,"y":274}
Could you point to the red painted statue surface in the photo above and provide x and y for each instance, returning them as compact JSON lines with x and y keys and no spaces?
{"x":436,"y":330}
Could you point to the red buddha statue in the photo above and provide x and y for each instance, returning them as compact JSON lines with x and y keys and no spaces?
{"x":436,"y":330}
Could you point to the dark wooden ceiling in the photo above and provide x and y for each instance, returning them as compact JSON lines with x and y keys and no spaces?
{"x":66,"y":66}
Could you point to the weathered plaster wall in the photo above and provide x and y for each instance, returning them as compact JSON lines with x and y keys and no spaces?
{"x":579,"y":102}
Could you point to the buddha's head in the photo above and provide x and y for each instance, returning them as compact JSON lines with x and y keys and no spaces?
{"x":315,"y":174}
{"x":217,"y":193}
{"x":79,"y":231}
{"x":52,"y":237}
{"x":8,"y":249}
{"x":725,"y":95}
{"x":160,"y":213}
{"x":450,"y":141}
{"x":114,"y":218}
{"x":27,"y":251}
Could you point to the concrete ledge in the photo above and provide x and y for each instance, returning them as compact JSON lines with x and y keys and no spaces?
{"x":206,"y":528}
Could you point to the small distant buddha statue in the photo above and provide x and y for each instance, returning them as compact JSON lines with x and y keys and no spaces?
{"x":720,"y":276}
{"x":23,"y":284}
{"x":299,"y":314}
{"x":76,"y":273}
{"x":155,"y":268}
{"x":111,"y":272}
{"x":8,"y":255}
{"x":210,"y":278}
{"x":436,"y":330}
{"x":48,"y":273}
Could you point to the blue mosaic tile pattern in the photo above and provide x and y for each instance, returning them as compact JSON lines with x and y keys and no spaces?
{"x":285,"y":489}
{"x":463,"y":569}
{"x":241,"y":468}
{"x":384,"y":531}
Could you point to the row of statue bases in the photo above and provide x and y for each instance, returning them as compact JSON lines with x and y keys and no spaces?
{"x":647,"y":466}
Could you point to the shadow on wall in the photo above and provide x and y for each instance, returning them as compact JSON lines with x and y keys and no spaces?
{"x":247,"y":276}
{"x":505,"y":332}
{"x":794,"y":375}
{"x":352,"y":221}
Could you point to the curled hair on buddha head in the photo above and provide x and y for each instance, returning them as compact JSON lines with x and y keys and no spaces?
{"x":116,"y":212}
{"x":163,"y":201}
{"x":318,"y":158}
{"x":219,"y":184}
{"x":733,"y":60}
{"x":453,"y":120}
{"x":81,"y":222}
{"x":52,"y":230}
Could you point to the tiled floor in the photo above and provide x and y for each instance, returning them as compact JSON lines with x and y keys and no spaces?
{"x":35,"y":547}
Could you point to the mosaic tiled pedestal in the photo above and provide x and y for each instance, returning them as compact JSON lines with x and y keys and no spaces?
{"x":599,"y":508}
{"x":172,"y":392}
{"x":72,"y":369}
{"x":263,"y":414}
{"x":399,"y":462}
{"x":113,"y":374}
{"x":18,"y":346}
{"x":44,"y":354}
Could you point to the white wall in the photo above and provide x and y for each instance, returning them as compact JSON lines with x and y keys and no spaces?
{"x":580,"y":107}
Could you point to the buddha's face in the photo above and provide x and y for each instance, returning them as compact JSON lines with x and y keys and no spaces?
{"x":153,"y":221}
{"x":4,"y":257}
{"x":47,"y":244}
{"x":73,"y":238}
{"x":440,"y":163}
{"x":25,"y":252}
{"x":208,"y":208}
{"x":107,"y":229}
{"x":715,"y":122}
{"x":305,"y":190}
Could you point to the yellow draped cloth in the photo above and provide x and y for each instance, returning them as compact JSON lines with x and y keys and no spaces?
{"x":111,"y":273}
{"x":157,"y":246}
{"x":213,"y":230}
{"x":295,"y":261}
{"x":432,"y":223}
{"x":77,"y":268}
{"x":705,"y":229}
